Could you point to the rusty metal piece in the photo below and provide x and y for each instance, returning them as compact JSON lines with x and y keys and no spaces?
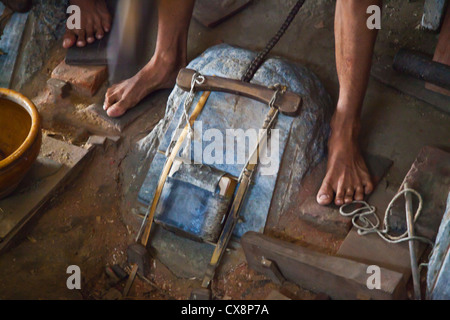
{"x":421,"y":66}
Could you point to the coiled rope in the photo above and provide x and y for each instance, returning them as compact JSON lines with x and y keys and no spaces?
{"x":361,"y":221}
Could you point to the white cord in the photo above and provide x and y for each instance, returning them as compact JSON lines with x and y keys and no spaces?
{"x":366,"y":226}
{"x":197,"y":79}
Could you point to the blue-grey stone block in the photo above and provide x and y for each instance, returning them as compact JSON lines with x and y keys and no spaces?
{"x":304,"y":135}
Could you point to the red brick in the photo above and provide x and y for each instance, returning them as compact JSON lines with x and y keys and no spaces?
{"x":85,"y":80}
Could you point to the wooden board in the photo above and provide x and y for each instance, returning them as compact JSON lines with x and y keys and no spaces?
{"x":9,"y":45}
{"x":442,"y":52}
{"x":212,"y":12}
{"x":58,"y":162}
{"x":337,"y":277}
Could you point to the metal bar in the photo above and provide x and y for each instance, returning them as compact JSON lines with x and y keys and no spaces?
{"x":422,"y":67}
{"x":412,"y":246}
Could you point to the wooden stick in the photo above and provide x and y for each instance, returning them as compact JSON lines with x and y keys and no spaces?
{"x":162,"y":180}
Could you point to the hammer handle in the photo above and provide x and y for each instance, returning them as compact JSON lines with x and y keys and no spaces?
{"x":288,"y":103}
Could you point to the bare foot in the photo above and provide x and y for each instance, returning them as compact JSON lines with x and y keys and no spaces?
{"x":95,"y":22}
{"x":158,"y":74}
{"x":347,"y":175}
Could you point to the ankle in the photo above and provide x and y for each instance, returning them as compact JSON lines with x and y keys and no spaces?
{"x":345,"y":126}
{"x":170,"y":60}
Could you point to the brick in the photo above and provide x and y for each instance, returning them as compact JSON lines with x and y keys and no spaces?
{"x":85,"y":80}
{"x":58,"y":87}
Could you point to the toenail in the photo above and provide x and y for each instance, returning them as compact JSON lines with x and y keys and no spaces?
{"x":323,"y":196}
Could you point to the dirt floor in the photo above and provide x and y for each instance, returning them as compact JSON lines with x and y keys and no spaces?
{"x":91,"y":222}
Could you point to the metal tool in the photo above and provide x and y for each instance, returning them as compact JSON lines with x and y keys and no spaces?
{"x":137,"y":252}
{"x":233,"y":216}
{"x":128,"y":38}
{"x":422,"y":67}
{"x":412,"y":246}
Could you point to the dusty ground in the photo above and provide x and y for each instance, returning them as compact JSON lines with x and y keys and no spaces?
{"x":90,"y":223}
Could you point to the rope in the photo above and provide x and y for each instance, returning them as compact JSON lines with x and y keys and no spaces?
{"x":197,"y":79}
{"x":365,"y":226}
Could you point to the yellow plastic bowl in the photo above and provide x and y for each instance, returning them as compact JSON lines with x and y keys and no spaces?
{"x":20,"y":139}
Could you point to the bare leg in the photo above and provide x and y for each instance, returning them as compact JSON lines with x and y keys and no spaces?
{"x":347,"y":175}
{"x":95,"y":21}
{"x":170,"y":56}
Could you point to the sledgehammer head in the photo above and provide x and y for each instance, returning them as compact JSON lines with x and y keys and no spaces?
{"x":137,"y":254}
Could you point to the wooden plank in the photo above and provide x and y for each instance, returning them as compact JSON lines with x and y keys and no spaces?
{"x":48,"y":176}
{"x":10,"y":44}
{"x":210,"y":13}
{"x":442,"y":52}
{"x":338,"y":277}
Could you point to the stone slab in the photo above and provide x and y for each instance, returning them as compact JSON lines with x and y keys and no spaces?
{"x":303,"y":137}
{"x":9,"y":45}
{"x":184,"y":257}
{"x":57,"y":163}
{"x":302,"y":204}
{"x":121,"y":123}
{"x":45,"y":27}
